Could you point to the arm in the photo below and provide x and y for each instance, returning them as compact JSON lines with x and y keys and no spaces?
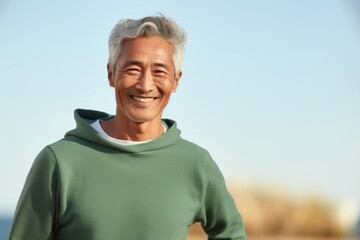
{"x":218,"y":214}
{"x":35,"y":215}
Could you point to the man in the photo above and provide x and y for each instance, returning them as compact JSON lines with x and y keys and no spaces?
{"x":128,"y":176}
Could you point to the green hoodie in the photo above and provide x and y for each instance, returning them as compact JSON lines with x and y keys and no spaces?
{"x":85,"y":187}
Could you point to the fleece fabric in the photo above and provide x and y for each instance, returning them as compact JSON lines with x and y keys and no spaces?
{"x":87,"y":187}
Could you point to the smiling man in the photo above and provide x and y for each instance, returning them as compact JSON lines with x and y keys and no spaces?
{"x":131,"y":175}
{"x":144,"y":77}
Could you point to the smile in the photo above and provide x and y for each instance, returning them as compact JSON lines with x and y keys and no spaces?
{"x":142,"y":99}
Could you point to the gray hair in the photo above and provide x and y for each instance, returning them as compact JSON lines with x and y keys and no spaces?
{"x":153,"y":26}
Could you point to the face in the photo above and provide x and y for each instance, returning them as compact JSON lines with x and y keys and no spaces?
{"x":144,"y":78}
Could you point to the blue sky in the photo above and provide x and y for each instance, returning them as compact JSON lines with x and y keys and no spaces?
{"x":270,"y":88}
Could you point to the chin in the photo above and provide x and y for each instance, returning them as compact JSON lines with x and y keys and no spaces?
{"x":143,"y":119}
{"x":140,"y":116}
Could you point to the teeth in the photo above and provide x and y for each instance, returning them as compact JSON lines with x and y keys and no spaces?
{"x":140,"y":99}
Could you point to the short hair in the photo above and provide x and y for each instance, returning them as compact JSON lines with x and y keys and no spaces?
{"x":152,"y":26}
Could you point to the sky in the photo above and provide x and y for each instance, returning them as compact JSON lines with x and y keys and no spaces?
{"x":270,"y":88}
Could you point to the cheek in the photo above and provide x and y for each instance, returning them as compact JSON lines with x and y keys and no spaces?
{"x":168,"y":86}
{"x":119,"y":89}
{"x":121,"y":83}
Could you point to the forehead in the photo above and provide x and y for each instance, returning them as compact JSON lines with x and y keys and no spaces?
{"x":146,"y":48}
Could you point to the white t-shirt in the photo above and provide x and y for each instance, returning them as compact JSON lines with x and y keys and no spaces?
{"x":96,"y":125}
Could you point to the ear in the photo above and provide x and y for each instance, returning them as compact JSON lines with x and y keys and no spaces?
{"x":176,"y":83}
{"x":110,"y":76}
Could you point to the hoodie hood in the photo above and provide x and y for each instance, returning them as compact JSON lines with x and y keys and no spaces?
{"x":85,"y":131}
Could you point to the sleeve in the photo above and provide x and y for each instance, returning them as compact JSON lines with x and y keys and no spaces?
{"x":35,"y":214}
{"x":218,"y":214}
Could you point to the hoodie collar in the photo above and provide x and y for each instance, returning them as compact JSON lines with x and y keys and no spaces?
{"x":85,"y":131}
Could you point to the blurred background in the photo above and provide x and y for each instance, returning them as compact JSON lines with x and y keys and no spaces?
{"x":270,"y":88}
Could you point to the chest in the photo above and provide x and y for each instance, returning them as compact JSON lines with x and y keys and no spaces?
{"x":117,"y":194}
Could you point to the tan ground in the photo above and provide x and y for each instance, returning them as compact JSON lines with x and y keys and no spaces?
{"x":279,"y":214}
{"x":280,"y":238}
{"x":196,"y":233}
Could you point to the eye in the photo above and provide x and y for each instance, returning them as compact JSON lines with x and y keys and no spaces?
{"x":133,"y":70}
{"x":159,"y":72}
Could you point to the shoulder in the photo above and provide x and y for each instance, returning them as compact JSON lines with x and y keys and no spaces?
{"x":193,"y":148}
{"x":209,"y":166}
{"x":69,"y":142}
{"x":196,"y":154}
{"x":66,"y":149}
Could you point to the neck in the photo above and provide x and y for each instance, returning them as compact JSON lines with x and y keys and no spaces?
{"x":126,"y":129}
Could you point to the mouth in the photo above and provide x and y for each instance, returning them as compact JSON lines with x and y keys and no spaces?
{"x":143,"y":99}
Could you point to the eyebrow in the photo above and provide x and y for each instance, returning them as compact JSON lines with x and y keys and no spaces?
{"x":139,"y":63}
{"x":164,"y":65}
{"x":132,"y":62}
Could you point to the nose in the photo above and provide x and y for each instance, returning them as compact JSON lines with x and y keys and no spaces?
{"x":145,"y":82}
